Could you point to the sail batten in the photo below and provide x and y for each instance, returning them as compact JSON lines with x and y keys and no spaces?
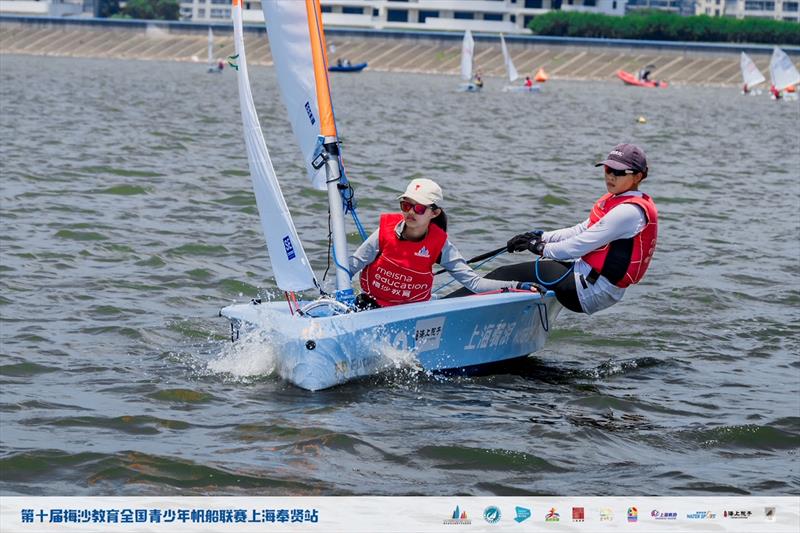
{"x":287,"y":256}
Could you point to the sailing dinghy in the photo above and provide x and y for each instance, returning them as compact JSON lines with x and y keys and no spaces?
{"x":511,"y":71}
{"x":751,"y":76}
{"x":322,"y":342}
{"x":212,"y":66}
{"x":467,"y":50}
{"x":783,"y":73}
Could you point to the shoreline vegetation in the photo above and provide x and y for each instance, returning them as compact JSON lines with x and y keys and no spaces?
{"x":669,"y":27}
{"x":712,"y":64}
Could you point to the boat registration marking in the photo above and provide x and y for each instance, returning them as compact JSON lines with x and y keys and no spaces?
{"x":490,"y":335}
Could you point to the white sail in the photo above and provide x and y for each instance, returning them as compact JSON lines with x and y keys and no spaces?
{"x":287,"y":27}
{"x":750,"y":73}
{"x":512,"y":72}
{"x":782,"y":71}
{"x":210,"y":48}
{"x":288,"y":258}
{"x":467,"y":48}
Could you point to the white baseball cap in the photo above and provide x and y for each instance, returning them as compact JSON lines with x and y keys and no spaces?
{"x":423,"y":191}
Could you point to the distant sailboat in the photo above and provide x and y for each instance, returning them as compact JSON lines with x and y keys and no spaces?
{"x":512,"y":72}
{"x":213,"y":68}
{"x":467,"y":50}
{"x":782,"y":72}
{"x":751,"y":76}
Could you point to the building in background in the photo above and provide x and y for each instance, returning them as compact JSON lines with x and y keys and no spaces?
{"x":493,"y":16}
{"x":771,"y":9}
{"x":48,"y":8}
{"x":682,"y":7}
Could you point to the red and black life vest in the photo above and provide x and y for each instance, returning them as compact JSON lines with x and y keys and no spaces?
{"x":403,"y":272}
{"x":624,"y":261}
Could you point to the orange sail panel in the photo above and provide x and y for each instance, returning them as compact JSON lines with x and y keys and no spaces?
{"x":327,"y":125}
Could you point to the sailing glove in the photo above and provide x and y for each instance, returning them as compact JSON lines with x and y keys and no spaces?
{"x":530,"y":286}
{"x":531,"y":241}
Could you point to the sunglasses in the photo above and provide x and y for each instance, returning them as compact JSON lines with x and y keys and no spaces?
{"x":617,"y":173}
{"x":408,"y":206}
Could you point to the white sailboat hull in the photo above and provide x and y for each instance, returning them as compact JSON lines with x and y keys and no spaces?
{"x":522,"y":89}
{"x":448,"y":335}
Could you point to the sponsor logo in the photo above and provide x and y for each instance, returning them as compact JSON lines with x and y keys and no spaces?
{"x":701,"y":515}
{"x":578,"y":514}
{"x":769,"y":514}
{"x":310,"y":114}
{"x":606,"y":514}
{"x":492,"y":514}
{"x":737,"y":515}
{"x":552,"y":515}
{"x":423,"y":252}
{"x":633,"y":514}
{"x":523,"y":514}
{"x":458,"y":517}
{"x":287,"y":246}
{"x":428,"y":333}
{"x":654,"y":514}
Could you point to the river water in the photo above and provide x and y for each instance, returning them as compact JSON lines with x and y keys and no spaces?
{"x":128,"y":221}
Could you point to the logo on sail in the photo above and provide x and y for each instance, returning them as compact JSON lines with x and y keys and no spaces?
{"x":287,"y":245}
{"x":310,"y":114}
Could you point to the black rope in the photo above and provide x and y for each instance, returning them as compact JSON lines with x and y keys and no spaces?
{"x":543,"y":318}
{"x":330,"y":247}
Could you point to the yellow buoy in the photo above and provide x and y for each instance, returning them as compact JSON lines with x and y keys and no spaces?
{"x":641,"y":120}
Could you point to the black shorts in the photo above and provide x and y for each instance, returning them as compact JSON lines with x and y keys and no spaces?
{"x":549,"y":271}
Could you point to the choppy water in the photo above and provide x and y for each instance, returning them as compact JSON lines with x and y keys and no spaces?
{"x":128,"y":220}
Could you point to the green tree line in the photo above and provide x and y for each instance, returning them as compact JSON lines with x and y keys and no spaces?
{"x":664,"y":26}
{"x":140,"y":9}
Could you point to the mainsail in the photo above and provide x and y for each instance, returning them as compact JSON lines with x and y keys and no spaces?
{"x":467,"y":48}
{"x":288,"y":258}
{"x":289,"y":41}
{"x":512,"y":72}
{"x":210,"y":48}
{"x":750,"y":73}
{"x":782,"y":71}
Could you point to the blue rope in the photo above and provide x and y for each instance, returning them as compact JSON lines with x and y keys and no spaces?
{"x":479,"y":265}
{"x":542,"y":282}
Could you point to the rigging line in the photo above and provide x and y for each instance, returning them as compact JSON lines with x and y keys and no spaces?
{"x":330,"y":244}
{"x":479,"y":265}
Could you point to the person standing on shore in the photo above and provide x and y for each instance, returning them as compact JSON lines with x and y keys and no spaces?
{"x":590,"y":265}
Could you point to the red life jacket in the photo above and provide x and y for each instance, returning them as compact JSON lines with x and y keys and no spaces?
{"x":403,"y":272}
{"x":624,"y":261}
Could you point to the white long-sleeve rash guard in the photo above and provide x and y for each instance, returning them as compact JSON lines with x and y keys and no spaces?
{"x":570,"y":244}
{"x":451,"y":259}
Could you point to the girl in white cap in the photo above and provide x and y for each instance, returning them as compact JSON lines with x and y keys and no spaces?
{"x":396,"y":261}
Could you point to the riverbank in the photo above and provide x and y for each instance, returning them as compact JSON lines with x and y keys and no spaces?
{"x":429,"y":53}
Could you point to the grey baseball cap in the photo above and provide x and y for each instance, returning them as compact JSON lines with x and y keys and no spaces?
{"x":626,"y":157}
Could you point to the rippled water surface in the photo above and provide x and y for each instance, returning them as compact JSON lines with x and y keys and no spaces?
{"x":128,"y":221}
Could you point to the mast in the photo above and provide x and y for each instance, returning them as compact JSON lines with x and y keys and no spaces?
{"x":330,"y":150}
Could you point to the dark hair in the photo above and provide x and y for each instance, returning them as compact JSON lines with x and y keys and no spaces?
{"x":440,"y":219}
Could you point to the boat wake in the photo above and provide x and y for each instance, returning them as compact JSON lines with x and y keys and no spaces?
{"x":255,"y":353}
{"x":263,"y":352}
